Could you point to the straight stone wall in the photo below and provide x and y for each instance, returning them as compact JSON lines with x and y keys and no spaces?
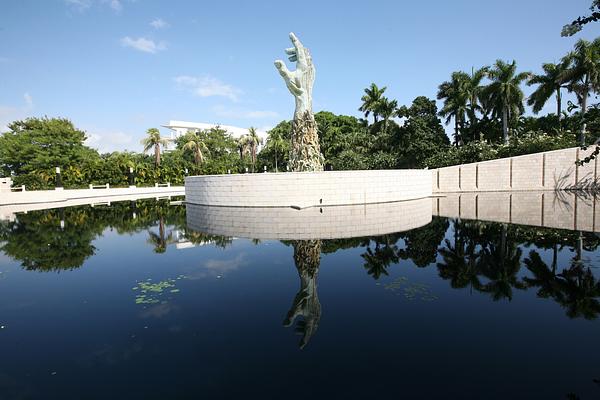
{"x":305,"y":189}
{"x":552,"y":170}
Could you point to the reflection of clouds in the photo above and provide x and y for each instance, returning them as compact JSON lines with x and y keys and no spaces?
{"x":110,"y":355}
{"x":217,"y":267}
{"x":159,"y":310}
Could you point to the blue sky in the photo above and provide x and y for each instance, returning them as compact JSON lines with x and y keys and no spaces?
{"x":118,"y":67}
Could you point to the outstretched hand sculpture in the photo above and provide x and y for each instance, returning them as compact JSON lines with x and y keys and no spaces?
{"x":305,"y":153}
{"x":299,"y":82}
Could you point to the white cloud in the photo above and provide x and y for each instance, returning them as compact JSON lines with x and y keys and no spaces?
{"x":79,"y":5}
{"x":109,"y":141}
{"x":115,"y":5}
{"x":28,"y":100}
{"x":207,"y":86}
{"x":143,"y":44}
{"x":159,"y":23}
{"x":9,"y":114}
{"x":221,"y":111}
{"x":84,"y":5}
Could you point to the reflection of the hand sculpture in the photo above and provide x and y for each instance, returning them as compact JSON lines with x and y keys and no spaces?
{"x":307,"y":257}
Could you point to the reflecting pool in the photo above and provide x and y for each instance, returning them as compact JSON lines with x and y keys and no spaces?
{"x":469,"y":296}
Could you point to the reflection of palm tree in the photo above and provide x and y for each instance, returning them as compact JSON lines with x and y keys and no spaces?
{"x":460,"y":265}
{"x":307,"y":256}
{"x":580,"y":292}
{"x":500,"y":264}
{"x":461,"y":259}
{"x":543,"y":277}
{"x":377,"y":261}
{"x":159,"y":241}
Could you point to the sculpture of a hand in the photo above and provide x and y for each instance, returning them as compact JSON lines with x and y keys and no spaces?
{"x":299,"y":82}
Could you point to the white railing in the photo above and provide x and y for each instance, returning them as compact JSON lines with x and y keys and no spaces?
{"x":18,"y":188}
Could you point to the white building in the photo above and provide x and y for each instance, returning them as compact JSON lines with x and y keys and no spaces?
{"x":179,"y":128}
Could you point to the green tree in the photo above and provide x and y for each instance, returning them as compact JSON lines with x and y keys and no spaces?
{"x":253,"y":141}
{"x":549,"y":83}
{"x":370,"y":101}
{"x":277,"y":143}
{"x":154,"y":141}
{"x":503,"y":95}
{"x":455,"y":96}
{"x":583,"y":75}
{"x":387,"y":109}
{"x":576,"y":25}
{"x":422,"y":134}
{"x":195,"y":143}
{"x":34,"y":147}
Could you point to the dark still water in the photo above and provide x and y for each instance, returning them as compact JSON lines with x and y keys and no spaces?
{"x":127,"y":301}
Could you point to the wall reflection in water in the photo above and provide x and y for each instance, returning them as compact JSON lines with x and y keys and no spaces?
{"x":495,"y":244}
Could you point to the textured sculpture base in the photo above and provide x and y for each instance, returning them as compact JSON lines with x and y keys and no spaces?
{"x":305,"y":155}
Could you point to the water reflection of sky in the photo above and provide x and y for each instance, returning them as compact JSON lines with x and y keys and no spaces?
{"x":212,"y":320}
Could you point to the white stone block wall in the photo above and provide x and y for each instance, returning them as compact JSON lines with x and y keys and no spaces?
{"x":560,"y":210}
{"x":310,"y":223}
{"x":304,"y":189}
{"x":549,"y":170}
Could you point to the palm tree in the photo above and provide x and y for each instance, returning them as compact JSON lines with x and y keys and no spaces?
{"x":253,"y":141}
{"x":386,"y":109}
{"x":276,"y":142}
{"x":154,"y":140}
{"x":504,"y":95}
{"x":370,"y":100}
{"x":474,"y":91}
{"x":455,"y":97}
{"x":195,"y":143}
{"x":549,"y":83}
{"x":242,"y":145}
{"x":583,"y":75}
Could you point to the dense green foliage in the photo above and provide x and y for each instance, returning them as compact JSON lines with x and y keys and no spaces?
{"x":33,"y":148}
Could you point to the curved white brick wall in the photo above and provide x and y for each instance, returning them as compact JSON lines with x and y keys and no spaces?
{"x":304,"y":189}
{"x":311,"y":223}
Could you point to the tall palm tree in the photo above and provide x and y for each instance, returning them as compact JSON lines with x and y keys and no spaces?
{"x":583,"y":75}
{"x":504,"y":95}
{"x":195,"y":143}
{"x":370,"y":101}
{"x":242,"y":145}
{"x":549,"y":83}
{"x":455,"y":97}
{"x":154,"y":140}
{"x":276,"y":142}
{"x":253,"y":141}
{"x":387,"y":109}
{"x":474,"y":91}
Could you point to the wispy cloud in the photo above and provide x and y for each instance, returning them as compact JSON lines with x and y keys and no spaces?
{"x":9,"y":114}
{"x":109,"y":141}
{"x":28,"y":100}
{"x":222,"y":111}
{"x":79,"y":5}
{"x":207,"y":86}
{"x":143,"y":44}
{"x":159,"y":23}
{"x":116,"y":5}
{"x":84,"y":5}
